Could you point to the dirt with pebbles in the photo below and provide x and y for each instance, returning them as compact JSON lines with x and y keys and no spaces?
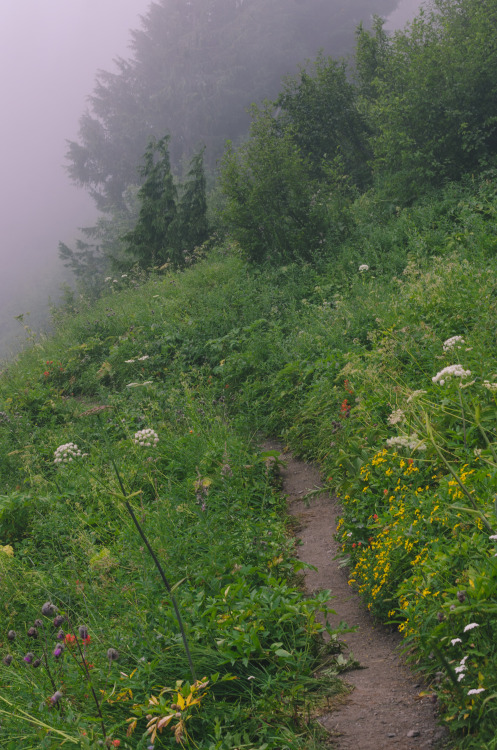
{"x":384,"y":709}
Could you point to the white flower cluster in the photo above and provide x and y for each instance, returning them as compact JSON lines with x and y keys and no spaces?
{"x":490,"y":386}
{"x":413,"y":442}
{"x":452,"y":371}
{"x":146,"y":438}
{"x":396,"y":417}
{"x":452,"y":343}
{"x":363,"y":267}
{"x":66,"y":453}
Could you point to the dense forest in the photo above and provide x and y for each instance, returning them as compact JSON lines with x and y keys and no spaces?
{"x":335,"y":286}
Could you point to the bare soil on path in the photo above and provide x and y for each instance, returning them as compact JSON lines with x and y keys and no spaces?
{"x":384,"y":710}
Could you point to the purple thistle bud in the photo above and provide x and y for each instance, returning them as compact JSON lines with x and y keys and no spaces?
{"x":440,"y":616}
{"x":7,"y":660}
{"x":58,"y":621}
{"x":461,"y":595}
{"x":36,"y":663}
{"x":58,"y":650}
{"x":29,"y":657}
{"x":38,"y":623}
{"x":55,"y":698}
{"x":83,"y":631}
{"x":112,"y":654}
{"x":60,"y":635}
{"x":33,"y":632}
{"x":48,"y":609}
{"x":11,"y":635}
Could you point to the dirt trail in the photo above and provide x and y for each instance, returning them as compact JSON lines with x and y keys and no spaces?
{"x":384,"y":709}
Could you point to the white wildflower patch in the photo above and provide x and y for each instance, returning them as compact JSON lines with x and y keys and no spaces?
{"x":452,"y":371}
{"x":411,"y":443}
{"x":454,"y":342}
{"x":139,"y":385}
{"x":129,"y":361}
{"x":471,"y":626}
{"x":455,"y":640}
{"x":146,"y":438}
{"x":67,"y":453}
{"x":493,"y":538}
{"x":396,"y":417}
{"x":475,"y":691}
{"x":490,"y":386}
{"x":363,"y":267}
{"x":145,"y":356}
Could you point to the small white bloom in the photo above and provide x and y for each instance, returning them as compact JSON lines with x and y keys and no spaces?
{"x":108,"y":278}
{"x":477,"y":452}
{"x":460,"y":669}
{"x":114,"y":281}
{"x":493,"y":538}
{"x":411,"y":443}
{"x":363,"y":267}
{"x":455,"y":640}
{"x":452,"y":342}
{"x":145,"y":356}
{"x":460,"y":677}
{"x":471,"y":626}
{"x":66,"y":452}
{"x":475,"y":691}
{"x":251,"y":677}
{"x":129,"y":361}
{"x":146,"y":438}
{"x":452,"y":371}
{"x":396,"y":417}
{"x":490,"y":386}
{"x":124,"y":276}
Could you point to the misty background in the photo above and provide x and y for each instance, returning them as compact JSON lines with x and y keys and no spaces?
{"x":50,"y":51}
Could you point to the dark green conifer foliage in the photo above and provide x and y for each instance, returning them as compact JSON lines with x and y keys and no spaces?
{"x":192,"y":209}
{"x":154,"y":241}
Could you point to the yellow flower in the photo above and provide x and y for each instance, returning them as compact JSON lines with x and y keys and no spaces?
{"x":7,"y":550}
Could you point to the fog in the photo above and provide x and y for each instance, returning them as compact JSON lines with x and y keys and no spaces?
{"x":50,"y":51}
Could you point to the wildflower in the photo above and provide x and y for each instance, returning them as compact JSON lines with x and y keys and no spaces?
{"x":412,"y":443}
{"x":414,"y":395}
{"x":115,"y":743}
{"x":124,"y":276}
{"x":58,"y":621}
{"x":475,"y":691}
{"x":145,"y":356}
{"x":69,"y":638}
{"x":493,"y":538}
{"x":363,"y":267}
{"x":58,"y":650}
{"x":108,"y":278}
{"x":455,"y":640}
{"x":7,"y":550}
{"x":49,"y":609}
{"x":396,"y":417}
{"x":146,"y":438}
{"x":83,"y":632}
{"x":7,"y":660}
{"x":29,"y":657}
{"x":461,"y":596}
{"x":490,"y":386}
{"x":11,"y":635}
{"x":471,"y":626}
{"x":60,"y":635}
{"x":452,"y":343}
{"x":66,"y":453}
{"x":112,"y":654}
{"x":36,"y":663}
{"x":129,"y":361}
{"x":33,"y":633}
{"x":452,"y":371}
{"x":55,"y":698}
{"x":251,"y":677}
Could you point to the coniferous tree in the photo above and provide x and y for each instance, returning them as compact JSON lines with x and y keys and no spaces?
{"x":154,"y":241}
{"x":193,"y":226}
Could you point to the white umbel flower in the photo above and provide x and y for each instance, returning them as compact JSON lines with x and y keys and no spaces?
{"x":452,"y":343}
{"x":452,"y":371}
{"x":363,"y":267}
{"x":146,"y":438}
{"x":66,"y":453}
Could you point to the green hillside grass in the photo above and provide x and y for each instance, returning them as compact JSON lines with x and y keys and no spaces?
{"x":337,"y":362}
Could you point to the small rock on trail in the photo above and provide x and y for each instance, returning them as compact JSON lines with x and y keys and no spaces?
{"x":384,"y":709}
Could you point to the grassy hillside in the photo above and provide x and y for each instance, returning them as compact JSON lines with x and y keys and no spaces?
{"x":337,"y":361}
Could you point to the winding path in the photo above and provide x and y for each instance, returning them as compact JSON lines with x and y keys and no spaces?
{"x":384,"y":709}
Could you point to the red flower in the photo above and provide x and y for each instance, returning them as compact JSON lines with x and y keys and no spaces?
{"x":46,"y":373}
{"x":87,"y":640}
{"x":69,"y":638}
{"x":353,"y":545}
{"x":116,"y":743}
{"x":375,"y":517}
